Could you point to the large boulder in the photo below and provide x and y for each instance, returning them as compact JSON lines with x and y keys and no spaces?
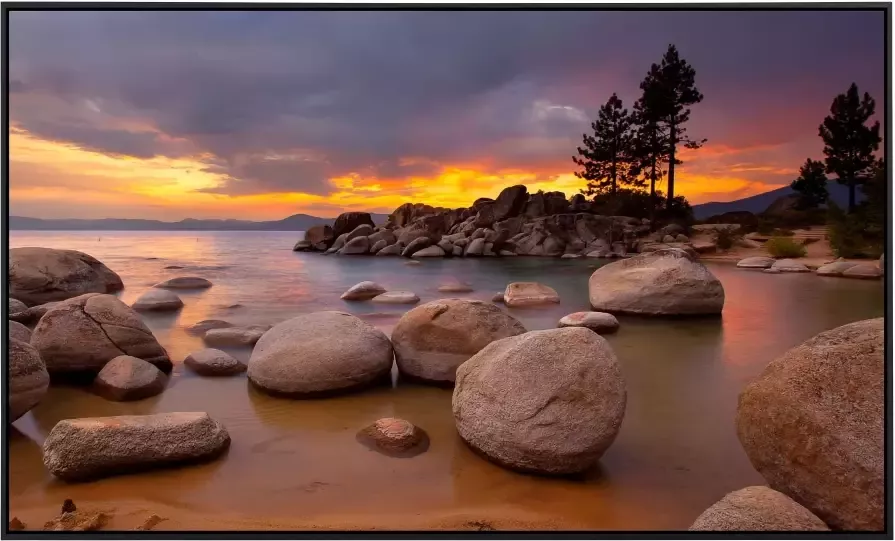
{"x":185,"y":282}
{"x":433,"y":339}
{"x":321,"y":352}
{"x":392,"y":249}
{"x":86,"y":332}
{"x":509,"y":203}
{"x":16,"y":305}
{"x":812,"y":425}
{"x":39,"y":275}
{"x":864,"y":271}
{"x":201,"y":327}
{"x":213,"y":362}
{"x":127,"y":378}
{"x":757,"y":509}
{"x":475,"y":248}
{"x":519,"y":294}
{"x":157,"y":300}
{"x":319,"y":233}
{"x":362,"y":291}
{"x":17,"y":331}
{"x":664,"y":282}
{"x":356,"y":246}
{"x":756,"y":262}
{"x":546,"y":402}
{"x":28,"y":378}
{"x":416,"y":245}
{"x":348,"y":221}
{"x":93,"y":447}
{"x":363,"y":230}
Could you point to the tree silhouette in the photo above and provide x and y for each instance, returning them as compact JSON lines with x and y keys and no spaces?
{"x":811,"y":184}
{"x":849,"y":144}
{"x":669,"y":89}
{"x":650,"y":148}
{"x":607,"y":154}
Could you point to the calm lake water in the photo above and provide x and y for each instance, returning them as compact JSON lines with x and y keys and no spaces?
{"x":676,"y":454}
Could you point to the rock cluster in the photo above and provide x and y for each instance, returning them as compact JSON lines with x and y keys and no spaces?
{"x":516,"y":223}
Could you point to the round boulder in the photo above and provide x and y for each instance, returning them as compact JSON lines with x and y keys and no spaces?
{"x":28,"y":378}
{"x":397,"y":297}
{"x":757,"y":509}
{"x":86,"y":332}
{"x":546,"y":402}
{"x":185,"y":282}
{"x":39,"y":275}
{"x":394,"y":437}
{"x":664,"y":282}
{"x":497,"y":297}
{"x":599,"y":322}
{"x":157,"y":300}
{"x":757,"y":262}
{"x":17,"y":331}
{"x":16,"y":305}
{"x":322,"y":352}
{"x":431,"y":251}
{"x":363,"y":291}
{"x":356,"y":246}
{"x":213,"y":362}
{"x":529,"y":294}
{"x":433,"y":339}
{"x":812,"y":425}
{"x":127,"y":378}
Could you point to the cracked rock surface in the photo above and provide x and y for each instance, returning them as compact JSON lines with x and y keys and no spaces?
{"x":84,"y":333}
{"x":40,"y":275}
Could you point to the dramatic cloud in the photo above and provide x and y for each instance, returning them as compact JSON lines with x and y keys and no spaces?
{"x":335,"y":106}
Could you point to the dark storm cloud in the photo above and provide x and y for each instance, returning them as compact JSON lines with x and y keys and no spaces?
{"x":364,"y":91}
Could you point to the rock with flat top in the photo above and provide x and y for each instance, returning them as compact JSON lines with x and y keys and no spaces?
{"x":184,"y":282}
{"x":213,"y":362}
{"x":599,"y":322}
{"x":757,"y":509}
{"x":757,"y":262}
{"x":40,"y":275}
{"x":94,"y":447}
{"x":126,"y":378}
{"x":519,"y":294}
{"x":157,"y":300}
{"x":235,"y":336}
{"x":397,"y":297}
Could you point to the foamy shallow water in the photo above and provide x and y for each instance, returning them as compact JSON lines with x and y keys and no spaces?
{"x":676,"y":454}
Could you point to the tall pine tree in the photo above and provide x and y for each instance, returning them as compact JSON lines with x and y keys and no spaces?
{"x":811,"y":184}
{"x":650,"y":149}
{"x":849,"y":143}
{"x":669,"y":89}
{"x":607,"y":154}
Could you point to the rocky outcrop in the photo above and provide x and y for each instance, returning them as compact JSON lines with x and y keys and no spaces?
{"x":348,"y":221}
{"x":213,"y":362}
{"x":94,"y":447}
{"x":319,"y":237}
{"x":86,"y":332}
{"x":812,"y":425}
{"x":394,"y":437}
{"x":127,"y":378}
{"x":521,"y":294}
{"x":321,"y":352}
{"x":757,"y":509}
{"x":157,"y":300}
{"x":599,"y":322}
{"x":547,"y":402}
{"x":665,"y":282}
{"x":40,"y":275}
{"x":433,"y":339}
{"x":185,"y":282}
{"x":28,"y":378}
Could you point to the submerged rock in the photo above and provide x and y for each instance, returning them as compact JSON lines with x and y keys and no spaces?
{"x":157,"y":300}
{"x":184,"y":282}
{"x":455,"y":288}
{"x":28,"y":378}
{"x":529,"y":294}
{"x":40,"y":275}
{"x":599,"y":322}
{"x":127,"y":378}
{"x":546,"y":402}
{"x":757,"y":509}
{"x":397,"y":297}
{"x":812,"y":425}
{"x":235,"y":336}
{"x":433,"y":339}
{"x":363,"y":291}
{"x":86,"y":332}
{"x":201,"y":327}
{"x":213,"y":362}
{"x":93,"y":447}
{"x":664,"y":282}
{"x":758,"y":262}
{"x":394,"y":437}
{"x":320,"y":352}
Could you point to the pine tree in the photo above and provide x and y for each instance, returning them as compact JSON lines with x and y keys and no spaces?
{"x":607,"y":154}
{"x":650,"y":149}
{"x":669,"y":89}
{"x":849,"y":144}
{"x":811,"y":184}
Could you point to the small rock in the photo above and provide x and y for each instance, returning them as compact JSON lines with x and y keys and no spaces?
{"x":128,"y":378}
{"x":431,"y":251}
{"x":758,"y":262}
{"x":235,"y":336}
{"x":599,"y":322}
{"x":397,"y":297}
{"x":157,"y":300}
{"x":213,"y":362}
{"x":363,"y":291}
{"x":185,"y":282}
{"x":498,"y":297}
{"x":864,"y":272}
{"x":529,"y":294}
{"x":789,"y":265}
{"x":18,"y":331}
{"x":201,"y":327}
{"x":570,"y":256}
{"x":16,"y":525}
{"x":150,"y":523}
{"x":394,"y":437}
{"x":757,"y":509}
{"x":68,"y":506}
{"x":455,"y":288}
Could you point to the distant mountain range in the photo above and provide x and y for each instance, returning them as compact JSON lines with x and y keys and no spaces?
{"x":758,"y":203}
{"x":296,"y":222}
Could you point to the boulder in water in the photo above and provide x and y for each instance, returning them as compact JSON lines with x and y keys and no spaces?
{"x":201,"y":327}
{"x":86,"y":332}
{"x":757,"y":509}
{"x":157,"y":300}
{"x":356,"y":246}
{"x":127,"y":378}
{"x":433,"y":339}
{"x":321,"y":352}
{"x":863,"y":271}
{"x":184,"y":282}
{"x":28,"y":378}
{"x":812,"y":425}
{"x":235,"y":336}
{"x":431,"y":251}
{"x":40,"y":275}
{"x":213,"y":362}
{"x":397,"y":297}
{"x":416,"y":245}
{"x":394,"y":437}
{"x":835,"y":268}
{"x":599,"y":322}
{"x":348,"y":221}
{"x":362,"y":291}
{"x":93,"y":447}
{"x":547,"y":402}
{"x":529,"y":294}
{"x":789,"y":265}
{"x":757,"y":262}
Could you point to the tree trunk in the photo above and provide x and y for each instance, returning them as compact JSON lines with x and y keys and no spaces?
{"x":672,"y":135}
{"x":652,"y":196}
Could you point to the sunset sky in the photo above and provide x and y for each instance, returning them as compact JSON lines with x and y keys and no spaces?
{"x":260,"y":115}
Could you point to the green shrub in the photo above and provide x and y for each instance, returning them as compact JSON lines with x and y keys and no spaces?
{"x":784,"y":247}
{"x":855,"y":235}
{"x":725,"y":238}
